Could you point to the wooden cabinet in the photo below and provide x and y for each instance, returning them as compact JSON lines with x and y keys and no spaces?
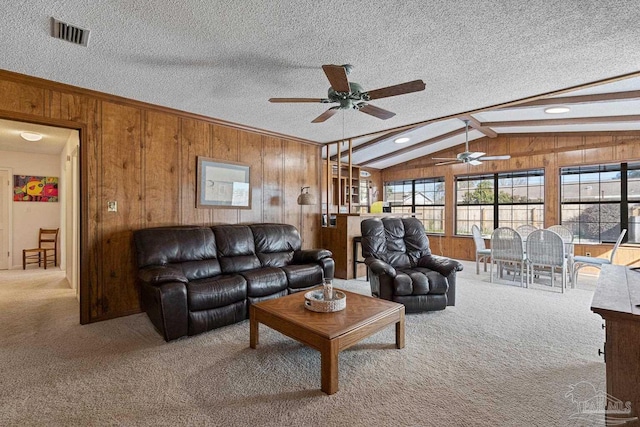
{"x":617,"y":300}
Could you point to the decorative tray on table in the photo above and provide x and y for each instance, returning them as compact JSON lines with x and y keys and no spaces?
{"x":314,"y":301}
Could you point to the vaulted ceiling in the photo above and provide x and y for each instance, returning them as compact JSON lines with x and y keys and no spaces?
{"x":225,"y":59}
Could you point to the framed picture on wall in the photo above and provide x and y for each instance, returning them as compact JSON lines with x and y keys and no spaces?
{"x":222,"y":184}
{"x":29,"y":188}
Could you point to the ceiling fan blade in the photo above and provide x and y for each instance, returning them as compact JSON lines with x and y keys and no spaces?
{"x":315,"y":100}
{"x":376,"y":112}
{"x":324,"y":116}
{"x":476,"y":155}
{"x":401,"y":89}
{"x":489,"y":158}
{"x":446,"y":163}
{"x":444,"y":158}
{"x":474,"y":162}
{"x":337,"y":75}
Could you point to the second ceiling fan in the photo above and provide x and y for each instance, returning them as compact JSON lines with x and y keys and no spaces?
{"x":473,"y":158}
{"x":351,"y":95}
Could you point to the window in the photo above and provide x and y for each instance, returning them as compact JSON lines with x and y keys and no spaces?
{"x":499,"y":200}
{"x":424,"y":198}
{"x":597,"y":202}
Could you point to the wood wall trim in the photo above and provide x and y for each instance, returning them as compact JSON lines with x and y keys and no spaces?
{"x":63,"y":87}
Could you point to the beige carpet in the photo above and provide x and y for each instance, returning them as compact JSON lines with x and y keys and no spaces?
{"x":503,"y":356}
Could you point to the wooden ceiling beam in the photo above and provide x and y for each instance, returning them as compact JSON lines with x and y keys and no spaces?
{"x":581,"y":99}
{"x":415,"y":146}
{"x":475,"y":124}
{"x":567,"y":121}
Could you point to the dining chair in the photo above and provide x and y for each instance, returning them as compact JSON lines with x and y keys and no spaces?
{"x":580,"y":262}
{"x":525,"y":230}
{"x":565,"y":234}
{"x":507,"y":250}
{"x":567,"y":238}
{"x":482,"y":252}
{"x":47,"y":242}
{"x":546,"y":254}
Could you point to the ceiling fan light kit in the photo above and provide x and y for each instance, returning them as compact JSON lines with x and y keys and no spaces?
{"x":352,"y":96}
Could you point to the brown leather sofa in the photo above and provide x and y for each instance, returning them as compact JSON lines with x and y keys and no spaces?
{"x":193,"y":279}
{"x":402,"y":267}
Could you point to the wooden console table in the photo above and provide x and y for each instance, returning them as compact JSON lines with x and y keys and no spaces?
{"x":617,"y":300}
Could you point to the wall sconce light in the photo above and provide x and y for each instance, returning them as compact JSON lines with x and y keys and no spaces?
{"x":305,"y":198}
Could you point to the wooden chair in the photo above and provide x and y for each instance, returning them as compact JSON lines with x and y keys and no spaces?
{"x":47,"y":242}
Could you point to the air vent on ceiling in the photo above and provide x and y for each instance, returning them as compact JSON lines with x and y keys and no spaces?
{"x":71,"y":33}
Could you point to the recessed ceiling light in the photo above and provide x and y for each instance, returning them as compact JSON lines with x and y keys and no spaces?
{"x":401,"y":140}
{"x":559,"y":109}
{"x":31,"y":136}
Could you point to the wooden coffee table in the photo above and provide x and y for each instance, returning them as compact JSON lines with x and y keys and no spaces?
{"x":329,"y":333}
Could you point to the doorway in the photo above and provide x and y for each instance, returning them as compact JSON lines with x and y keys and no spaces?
{"x":55,"y":155}
{"x":5,"y":217}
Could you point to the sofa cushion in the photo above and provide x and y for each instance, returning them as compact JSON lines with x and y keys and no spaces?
{"x":195,"y":270}
{"x":265,"y":281}
{"x":275,"y":243}
{"x":236,"y":249}
{"x":400,"y":242}
{"x":205,"y":320}
{"x":423,"y":282}
{"x":303,"y":275}
{"x":216,"y":291}
{"x":169,"y":245}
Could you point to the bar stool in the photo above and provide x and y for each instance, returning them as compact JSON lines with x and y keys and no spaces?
{"x":357,"y":243}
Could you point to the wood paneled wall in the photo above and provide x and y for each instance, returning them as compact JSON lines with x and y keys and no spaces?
{"x":144,"y":157}
{"x":548,"y":151}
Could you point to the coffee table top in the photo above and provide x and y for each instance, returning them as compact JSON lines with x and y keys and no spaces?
{"x":360,"y":310}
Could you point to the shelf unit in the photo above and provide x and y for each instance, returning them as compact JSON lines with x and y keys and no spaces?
{"x":343,"y":190}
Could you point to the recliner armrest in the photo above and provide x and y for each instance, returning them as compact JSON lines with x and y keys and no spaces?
{"x":310,"y":255}
{"x":379,"y":267}
{"x":442,"y":265}
{"x":157,"y":275}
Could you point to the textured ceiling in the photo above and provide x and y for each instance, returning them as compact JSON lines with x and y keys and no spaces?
{"x":225,"y":59}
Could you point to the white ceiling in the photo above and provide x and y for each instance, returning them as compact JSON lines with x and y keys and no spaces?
{"x":225,"y":59}
{"x":53,"y":139}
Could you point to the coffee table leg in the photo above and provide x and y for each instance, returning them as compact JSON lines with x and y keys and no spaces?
{"x":400,"y":330}
{"x":329,"y":367}
{"x":254,"y":335}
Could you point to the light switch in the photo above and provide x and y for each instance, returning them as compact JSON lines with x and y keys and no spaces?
{"x":112,"y":206}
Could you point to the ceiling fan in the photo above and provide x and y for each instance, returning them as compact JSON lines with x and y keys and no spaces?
{"x":351,"y":95}
{"x":473,"y":158}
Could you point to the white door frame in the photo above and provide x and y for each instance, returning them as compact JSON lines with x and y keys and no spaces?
{"x":9,"y":235}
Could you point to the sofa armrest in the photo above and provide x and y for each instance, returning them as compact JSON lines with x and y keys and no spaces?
{"x":156,"y":275}
{"x":379,"y":267}
{"x":442,"y":265}
{"x":306,"y":256}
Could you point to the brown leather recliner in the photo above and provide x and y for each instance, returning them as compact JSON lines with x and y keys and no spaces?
{"x":193,"y":279}
{"x":402,"y":267}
